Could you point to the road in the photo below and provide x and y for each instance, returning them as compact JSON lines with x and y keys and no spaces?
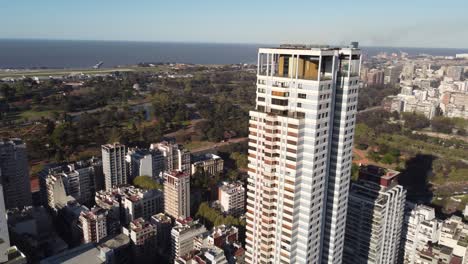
{"x":371,"y":109}
{"x":220,"y":144}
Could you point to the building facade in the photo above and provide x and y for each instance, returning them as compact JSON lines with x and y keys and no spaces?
{"x":209,"y":164}
{"x":300,"y":145}
{"x":140,"y":162}
{"x":94,"y":225}
{"x":142,"y":203}
{"x":4,"y":236}
{"x":114,"y":165}
{"x":177,"y":194}
{"x":143,"y":240}
{"x":375,"y":217}
{"x":183,"y":237}
{"x":175,"y":157}
{"x":14,"y":172}
{"x":421,"y":228}
{"x":231,"y":197}
{"x":163,"y":224}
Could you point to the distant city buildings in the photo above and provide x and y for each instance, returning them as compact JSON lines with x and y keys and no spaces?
{"x":231,"y":197}
{"x":177,"y":194}
{"x":375,"y":217}
{"x":114,"y":165}
{"x":14,"y":173}
{"x":375,"y":77}
{"x":431,"y":90}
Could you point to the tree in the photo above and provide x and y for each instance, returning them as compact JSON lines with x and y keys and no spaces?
{"x":414,"y":121}
{"x":147,"y":183}
{"x":442,"y":124}
{"x":240,"y":159}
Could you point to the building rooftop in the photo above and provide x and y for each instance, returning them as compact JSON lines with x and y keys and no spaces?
{"x":177,"y":174}
{"x":383,"y":176}
{"x":87,"y":253}
{"x":115,"y":242}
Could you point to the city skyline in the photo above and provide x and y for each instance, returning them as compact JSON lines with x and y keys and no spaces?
{"x":396,"y":23}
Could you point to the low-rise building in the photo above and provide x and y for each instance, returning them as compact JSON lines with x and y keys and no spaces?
{"x":209,"y":164}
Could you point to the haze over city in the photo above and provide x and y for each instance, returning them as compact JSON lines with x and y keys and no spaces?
{"x":383,"y":23}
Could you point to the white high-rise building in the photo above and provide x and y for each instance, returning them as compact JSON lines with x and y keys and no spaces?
{"x":114,"y":165}
{"x":4,"y":236}
{"x":422,"y":227}
{"x":375,"y":217}
{"x":300,"y":152}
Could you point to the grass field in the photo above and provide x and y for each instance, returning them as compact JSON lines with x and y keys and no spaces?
{"x":35,"y":115}
{"x":50,"y":72}
{"x":58,"y":72}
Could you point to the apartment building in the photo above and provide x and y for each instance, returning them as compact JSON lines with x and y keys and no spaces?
{"x":231,"y":197}
{"x":177,"y":194}
{"x":142,"y":236}
{"x":14,"y":172}
{"x":183,"y":236}
{"x":300,"y":151}
{"x":94,"y":225}
{"x":142,"y":203}
{"x":375,"y":217}
{"x":175,"y":157}
{"x":421,"y":228}
{"x":114,"y":165}
{"x":163,"y":224}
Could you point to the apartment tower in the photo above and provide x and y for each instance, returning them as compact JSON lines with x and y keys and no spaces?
{"x":300,"y":151}
{"x":375,"y":217}
{"x":114,"y":165}
{"x":177,"y":194}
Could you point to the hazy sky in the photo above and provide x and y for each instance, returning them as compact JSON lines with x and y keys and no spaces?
{"x":420,"y":23}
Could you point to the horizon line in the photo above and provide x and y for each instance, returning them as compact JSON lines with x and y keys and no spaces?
{"x":215,"y":42}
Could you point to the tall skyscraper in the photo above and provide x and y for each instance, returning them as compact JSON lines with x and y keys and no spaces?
{"x":177,"y":194}
{"x":114,"y":165}
{"x":300,"y":151}
{"x":14,"y":172}
{"x":4,"y":236}
{"x":375,"y":217}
